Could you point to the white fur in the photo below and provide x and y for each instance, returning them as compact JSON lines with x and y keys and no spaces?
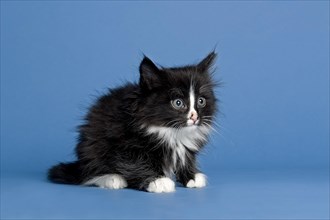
{"x":192,"y":109}
{"x":160,"y":185}
{"x":186,"y":136}
{"x":198,"y":182}
{"x":111,"y":181}
{"x":180,"y":139}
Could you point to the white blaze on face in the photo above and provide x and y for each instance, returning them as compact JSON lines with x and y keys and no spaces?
{"x":192,"y":114}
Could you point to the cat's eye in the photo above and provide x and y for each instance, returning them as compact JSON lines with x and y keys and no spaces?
{"x":201,"y":102}
{"x":177,"y":104}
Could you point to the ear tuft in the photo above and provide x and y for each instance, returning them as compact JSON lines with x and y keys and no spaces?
{"x":148,"y":74}
{"x":206,"y":64}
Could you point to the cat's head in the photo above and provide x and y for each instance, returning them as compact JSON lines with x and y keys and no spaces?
{"x":177,"y":97}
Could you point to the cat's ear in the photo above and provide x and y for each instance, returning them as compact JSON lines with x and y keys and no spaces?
{"x":148,"y":74}
{"x":207,"y":63}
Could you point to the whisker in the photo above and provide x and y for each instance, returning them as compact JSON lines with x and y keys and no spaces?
{"x":212,"y":128}
{"x":170,"y":122}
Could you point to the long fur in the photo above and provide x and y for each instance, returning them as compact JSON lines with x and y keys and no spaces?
{"x":135,"y":132}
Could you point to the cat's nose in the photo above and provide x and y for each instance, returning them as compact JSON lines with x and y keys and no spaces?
{"x":193,"y":116}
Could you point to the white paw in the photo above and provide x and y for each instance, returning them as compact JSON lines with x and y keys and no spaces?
{"x":163,"y":184}
{"x":111,"y":181}
{"x":198,"y":182}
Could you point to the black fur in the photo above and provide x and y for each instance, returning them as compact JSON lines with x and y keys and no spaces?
{"x":114,"y":137}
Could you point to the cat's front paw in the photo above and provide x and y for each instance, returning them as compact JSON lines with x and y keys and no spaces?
{"x":198,"y":182}
{"x":110,"y":181}
{"x":115,"y":181}
{"x":160,"y":185}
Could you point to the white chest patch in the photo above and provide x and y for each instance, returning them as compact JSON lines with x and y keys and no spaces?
{"x":180,"y":139}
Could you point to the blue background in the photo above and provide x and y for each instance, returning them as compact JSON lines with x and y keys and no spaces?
{"x":270,"y":158}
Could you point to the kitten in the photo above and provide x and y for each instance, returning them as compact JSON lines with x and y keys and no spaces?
{"x":142,"y":135}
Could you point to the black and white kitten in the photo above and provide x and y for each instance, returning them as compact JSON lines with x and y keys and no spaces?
{"x":143,"y":135}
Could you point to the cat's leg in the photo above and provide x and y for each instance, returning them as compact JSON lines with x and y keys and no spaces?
{"x":198,"y":181}
{"x":191,"y":179}
{"x":110,"y":181}
{"x":151,"y":180}
{"x":190,"y":176}
{"x":161,"y":185}
{"x":148,"y":177}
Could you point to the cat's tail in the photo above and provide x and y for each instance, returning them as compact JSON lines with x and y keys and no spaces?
{"x":66,"y":173}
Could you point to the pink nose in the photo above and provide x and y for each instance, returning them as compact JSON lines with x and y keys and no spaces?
{"x":193,"y":116}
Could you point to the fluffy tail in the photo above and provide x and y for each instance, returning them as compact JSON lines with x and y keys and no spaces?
{"x":67,"y":173}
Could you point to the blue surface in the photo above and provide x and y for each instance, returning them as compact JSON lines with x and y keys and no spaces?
{"x":270,"y":158}
{"x":230,"y":195}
